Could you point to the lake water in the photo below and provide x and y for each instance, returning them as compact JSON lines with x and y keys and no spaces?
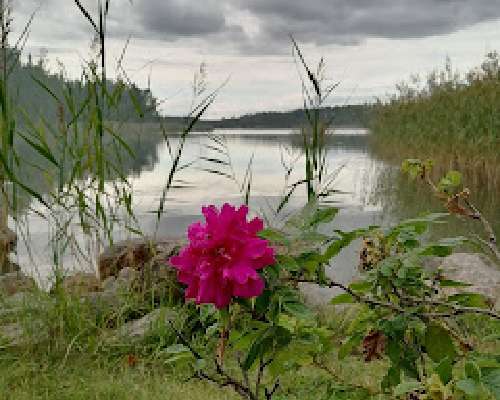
{"x":369,"y":189}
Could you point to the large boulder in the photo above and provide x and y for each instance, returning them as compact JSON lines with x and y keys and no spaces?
{"x":141,"y":265}
{"x":135,"y":253}
{"x":126,"y":254}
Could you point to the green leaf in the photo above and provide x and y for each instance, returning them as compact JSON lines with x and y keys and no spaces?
{"x":361,"y":286}
{"x":273,"y":338}
{"x":178,"y":357}
{"x":445,"y":369}
{"x":42,"y":150}
{"x":323,"y":216}
{"x":470,"y":300}
{"x":297,"y":309}
{"x":392,"y":378}
{"x":288,"y":263}
{"x":177,"y":349}
{"x":345,"y":239}
{"x":273,"y":236}
{"x":451,"y":283}
{"x":349,"y":345}
{"x":344,"y":298}
{"x":262,"y":302}
{"x":469,"y":387}
{"x":405,"y":387}
{"x":257,"y":349}
{"x":454,"y":177}
{"x":287,"y":322}
{"x":472,"y":371}
{"x":439,"y":344}
{"x":412,"y":167}
{"x":437,"y":250}
{"x":491,"y":338}
{"x":491,"y":380}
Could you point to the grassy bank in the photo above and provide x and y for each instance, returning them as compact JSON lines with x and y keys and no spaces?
{"x":450,"y":118}
{"x":68,"y":350}
{"x":74,"y":354}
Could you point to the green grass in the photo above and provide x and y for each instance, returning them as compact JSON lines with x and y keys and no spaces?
{"x":73,"y":352}
{"x":84,"y":377}
{"x":70,"y":351}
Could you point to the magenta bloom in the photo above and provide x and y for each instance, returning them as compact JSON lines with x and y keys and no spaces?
{"x":223,"y":257}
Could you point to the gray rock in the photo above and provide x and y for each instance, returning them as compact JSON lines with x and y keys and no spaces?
{"x":140,"y":327}
{"x":109,"y":284}
{"x":141,"y":265}
{"x":127,"y":275}
{"x":475,"y":269}
{"x":134,"y":254}
{"x":102,"y":301}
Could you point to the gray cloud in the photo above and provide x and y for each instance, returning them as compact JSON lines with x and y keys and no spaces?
{"x":213,"y":22}
{"x":351,"y":21}
{"x":181,"y":17}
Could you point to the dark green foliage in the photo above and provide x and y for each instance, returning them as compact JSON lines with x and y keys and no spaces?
{"x":34,"y":89}
{"x":356,"y":116}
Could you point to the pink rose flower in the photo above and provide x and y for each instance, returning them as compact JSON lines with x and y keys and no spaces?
{"x":223,"y":257}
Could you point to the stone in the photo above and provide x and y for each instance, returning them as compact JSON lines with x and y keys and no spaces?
{"x":127,"y":277}
{"x":109,"y":284}
{"x":81,"y":283}
{"x":102,"y":301}
{"x":134,"y":253}
{"x":141,"y":327}
{"x":141,"y":265}
{"x":126,"y":254}
{"x":15,"y":282}
{"x":475,"y":269}
{"x":126,"y":281}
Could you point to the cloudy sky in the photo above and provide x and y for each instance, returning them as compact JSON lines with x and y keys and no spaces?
{"x":368,"y":45}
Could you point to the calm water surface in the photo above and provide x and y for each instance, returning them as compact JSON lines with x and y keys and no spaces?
{"x":367,"y":184}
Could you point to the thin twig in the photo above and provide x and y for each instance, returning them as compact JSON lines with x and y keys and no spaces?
{"x":237,"y":385}
{"x":262,"y":366}
{"x":492,"y":240}
{"x":475,"y":214}
{"x":270,"y":393}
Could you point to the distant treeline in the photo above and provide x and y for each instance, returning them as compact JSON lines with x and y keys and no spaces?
{"x":341,"y":116}
{"x":353,"y":116}
{"x":34,"y":88}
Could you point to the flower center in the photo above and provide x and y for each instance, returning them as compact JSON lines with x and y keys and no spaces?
{"x":223,"y":253}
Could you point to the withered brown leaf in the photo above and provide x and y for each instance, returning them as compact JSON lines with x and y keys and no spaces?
{"x":374,"y":345}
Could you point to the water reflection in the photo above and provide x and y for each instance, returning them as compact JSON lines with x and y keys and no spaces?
{"x":148,"y":171}
{"x":373,"y":191}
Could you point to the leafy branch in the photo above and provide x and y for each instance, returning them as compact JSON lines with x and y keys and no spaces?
{"x":456,"y":201}
{"x":454,"y":310}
